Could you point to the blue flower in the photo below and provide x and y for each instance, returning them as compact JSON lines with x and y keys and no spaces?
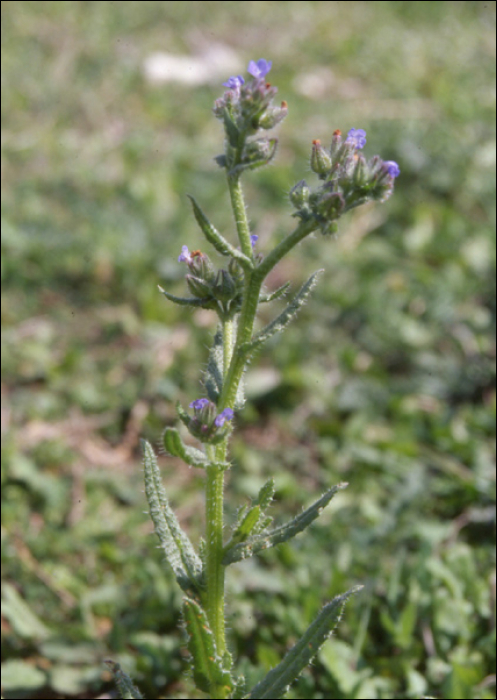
{"x":199,"y":404}
{"x":253,"y":239}
{"x":356,"y":137}
{"x":185,"y":255}
{"x":225,"y":415}
{"x":234,"y":82}
{"x":259,"y":69}
{"x":392,"y":168}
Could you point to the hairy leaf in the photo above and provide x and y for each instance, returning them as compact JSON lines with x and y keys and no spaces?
{"x":125,"y":685}
{"x":176,"y":447}
{"x":179,"y":550}
{"x":281,"y":321}
{"x":279,"y":679}
{"x":271,"y":538}
{"x":213,"y":375}
{"x":281,"y":291}
{"x":216,"y":239}
{"x":208,"y":668}
{"x":184,"y":301}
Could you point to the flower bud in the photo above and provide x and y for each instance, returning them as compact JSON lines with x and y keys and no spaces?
{"x":273,"y":116}
{"x":225,"y":287}
{"x":207,"y":425}
{"x":199,"y":287}
{"x":299,"y":194}
{"x":320,"y":159}
{"x":259,"y":150}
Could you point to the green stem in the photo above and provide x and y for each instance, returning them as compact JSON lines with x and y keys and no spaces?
{"x":240,"y":212}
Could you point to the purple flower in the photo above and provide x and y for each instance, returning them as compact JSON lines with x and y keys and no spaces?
{"x":253,"y":239}
{"x":185,"y":255}
{"x":199,"y":404}
{"x":392,"y":168}
{"x":225,"y":415}
{"x":234,"y":82}
{"x":356,"y":137}
{"x":259,"y":69}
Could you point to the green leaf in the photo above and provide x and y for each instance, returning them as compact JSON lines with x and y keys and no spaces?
{"x":271,"y":538}
{"x":179,"y":550}
{"x":125,"y":685}
{"x":279,"y":679}
{"x":281,"y":291}
{"x":176,"y":447}
{"x":266,"y":494}
{"x":185,"y":301}
{"x":20,"y":615}
{"x":208,"y":667}
{"x":213,"y":376}
{"x":216,"y":239}
{"x":281,"y":321}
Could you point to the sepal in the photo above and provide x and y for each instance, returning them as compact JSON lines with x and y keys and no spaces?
{"x":279,"y":679}
{"x":208,"y":668}
{"x":175,"y":542}
{"x":125,"y":686}
{"x":267,"y":539}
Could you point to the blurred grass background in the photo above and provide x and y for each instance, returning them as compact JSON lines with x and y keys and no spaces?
{"x":385,"y":381}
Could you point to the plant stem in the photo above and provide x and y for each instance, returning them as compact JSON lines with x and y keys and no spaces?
{"x":240,"y":213}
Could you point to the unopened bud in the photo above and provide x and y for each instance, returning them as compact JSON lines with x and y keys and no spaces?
{"x":320,"y":159}
{"x":225,"y":287}
{"x":199,"y":287}
{"x":299,"y":194}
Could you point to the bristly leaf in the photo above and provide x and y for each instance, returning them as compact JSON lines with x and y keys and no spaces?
{"x":208,"y":668}
{"x":176,"y":447}
{"x":252,"y":519}
{"x":281,"y":321}
{"x":271,"y":538}
{"x":240,"y":688}
{"x":266,"y":494}
{"x":279,"y":679}
{"x":179,"y":550}
{"x":184,"y":301}
{"x":216,"y":239}
{"x":281,"y":291}
{"x":125,"y":685}
{"x":213,"y":376}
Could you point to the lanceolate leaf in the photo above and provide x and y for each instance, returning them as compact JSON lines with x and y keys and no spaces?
{"x":216,"y":239}
{"x":124,"y":683}
{"x":281,"y":291}
{"x":175,"y":542}
{"x":271,"y":538}
{"x":213,"y":376}
{"x":208,"y":669}
{"x":176,"y":447}
{"x":185,"y":301}
{"x":279,"y":679}
{"x":281,"y":321}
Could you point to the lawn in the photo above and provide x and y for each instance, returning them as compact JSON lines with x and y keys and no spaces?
{"x":386,"y":380}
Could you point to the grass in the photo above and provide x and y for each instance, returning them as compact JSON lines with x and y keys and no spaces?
{"x":385,"y":381}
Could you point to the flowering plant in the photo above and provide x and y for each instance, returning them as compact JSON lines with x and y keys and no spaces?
{"x":235,"y":291}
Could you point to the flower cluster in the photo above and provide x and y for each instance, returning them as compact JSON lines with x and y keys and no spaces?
{"x":246,"y":107}
{"x":219,"y":290}
{"x":207,"y":424}
{"x":349,"y":180}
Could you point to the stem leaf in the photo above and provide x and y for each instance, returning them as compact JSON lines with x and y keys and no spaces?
{"x":279,"y":679}
{"x":179,"y":550}
{"x":208,"y":668}
{"x":281,"y":291}
{"x":185,"y":301}
{"x":213,"y":376}
{"x":271,"y":538}
{"x":281,"y":321}
{"x":125,"y":685}
{"x":176,"y":447}
{"x":216,"y":239}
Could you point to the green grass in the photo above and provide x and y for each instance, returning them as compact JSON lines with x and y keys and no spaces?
{"x":385,"y":381}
